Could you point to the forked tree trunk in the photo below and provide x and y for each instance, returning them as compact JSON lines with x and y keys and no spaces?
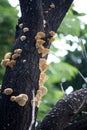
{"x":23,"y":77}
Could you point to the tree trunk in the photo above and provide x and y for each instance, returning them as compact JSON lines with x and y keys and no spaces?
{"x":23,"y":77}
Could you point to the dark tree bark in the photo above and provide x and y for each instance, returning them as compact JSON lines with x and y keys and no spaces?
{"x":24,"y":76}
{"x":65,"y":111}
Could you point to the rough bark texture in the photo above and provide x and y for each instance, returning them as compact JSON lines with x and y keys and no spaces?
{"x":64,"y":111}
{"x":80,"y":125}
{"x":24,"y":76}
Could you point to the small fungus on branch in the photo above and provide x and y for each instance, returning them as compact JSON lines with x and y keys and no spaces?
{"x":4,"y":62}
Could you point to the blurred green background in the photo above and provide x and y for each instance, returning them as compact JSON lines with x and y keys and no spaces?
{"x":68,"y":53}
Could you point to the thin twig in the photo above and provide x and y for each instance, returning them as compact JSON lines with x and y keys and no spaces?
{"x":80,"y":107}
{"x":62,"y":89}
{"x":83,"y":77}
{"x":33,"y":111}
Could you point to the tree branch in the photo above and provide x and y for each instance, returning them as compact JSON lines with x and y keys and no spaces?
{"x":81,"y":125}
{"x":64,"y":111}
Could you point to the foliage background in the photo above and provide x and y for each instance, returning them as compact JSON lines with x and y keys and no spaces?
{"x":69,"y":60}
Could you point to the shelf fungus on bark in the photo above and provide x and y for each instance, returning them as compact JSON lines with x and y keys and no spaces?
{"x":52,"y":33}
{"x":8,"y":55}
{"x":18,"y":51}
{"x":37,"y":99}
{"x":21,"y":25}
{"x":43,"y":76}
{"x":50,"y":40}
{"x":43,"y":66}
{"x":21,"y":99}
{"x":45,"y":52}
{"x":52,"y":5}
{"x":40,"y":93}
{"x":23,"y":38}
{"x":25,"y":29}
{"x":39,"y":42}
{"x":37,"y":37}
{"x":41,"y":34}
{"x":43,"y":90}
{"x":42,"y":79}
{"x":8,"y":91}
{"x":14,"y":56}
{"x":4,"y":62}
{"x":42,"y":50}
{"x":11,"y":63}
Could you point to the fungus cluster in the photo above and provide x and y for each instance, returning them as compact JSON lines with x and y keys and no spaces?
{"x":39,"y":44}
{"x":43,"y":66}
{"x":21,"y":99}
{"x":25,"y":29}
{"x":10,"y":59}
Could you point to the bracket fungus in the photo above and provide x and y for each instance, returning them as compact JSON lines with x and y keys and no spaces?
{"x":39,"y":42}
{"x":52,"y":5}
{"x":8,"y":91}
{"x":41,"y":34}
{"x":25,"y":29}
{"x":4,"y":62}
{"x":52,"y":33}
{"x":35,"y":102}
{"x":42,"y":79}
{"x":21,"y":99}
{"x":21,"y":25}
{"x":45,"y":52}
{"x":18,"y":51}
{"x":14,"y":56}
{"x":11,"y":63}
{"x":8,"y":55}
{"x":42,"y":50}
{"x":43,"y":66}
{"x":23,"y":37}
{"x":43,"y":90}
